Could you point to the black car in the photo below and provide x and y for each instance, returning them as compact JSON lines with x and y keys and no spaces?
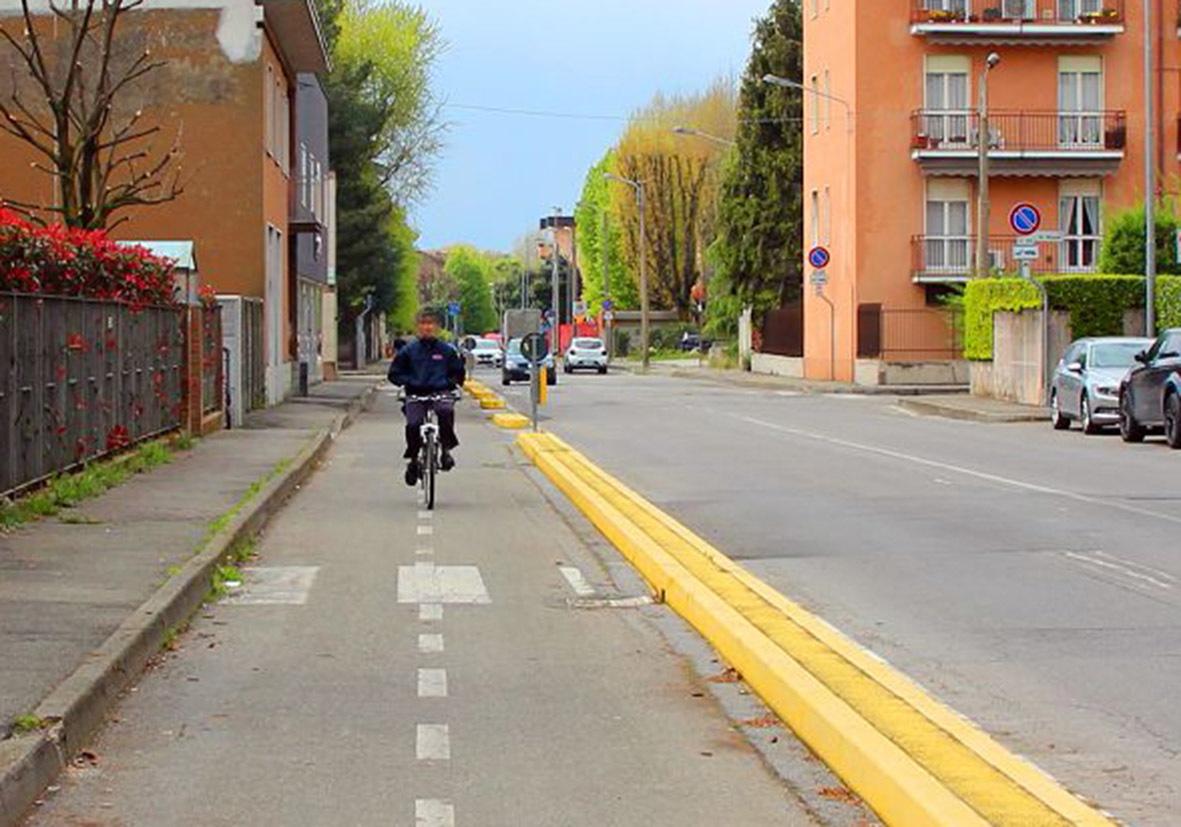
{"x":1150,"y":395}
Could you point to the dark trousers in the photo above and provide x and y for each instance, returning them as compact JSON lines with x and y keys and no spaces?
{"x":416,"y":415}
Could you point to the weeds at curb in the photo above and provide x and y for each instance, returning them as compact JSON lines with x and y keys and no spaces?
{"x":24,"y":724}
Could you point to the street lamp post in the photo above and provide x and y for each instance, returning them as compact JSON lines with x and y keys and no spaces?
{"x":983,"y":205}
{"x":1149,"y":180}
{"x":555,"y":340}
{"x":638,"y":186}
{"x":697,"y":133}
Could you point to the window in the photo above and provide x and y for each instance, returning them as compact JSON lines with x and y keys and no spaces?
{"x":959,"y":7}
{"x":1072,"y":10}
{"x":815,"y":86}
{"x":304,"y":172}
{"x":268,"y":106}
{"x":815,"y":217}
{"x":948,"y":245}
{"x":1079,"y":221}
{"x":1080,"y":102}
{"x":946,"y":101}
{"x":827,"y":100}
{"x":827,"y":234}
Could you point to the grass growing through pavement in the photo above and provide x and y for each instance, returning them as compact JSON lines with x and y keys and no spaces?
{"x":68,"y":490}
{"x":24,"y":724}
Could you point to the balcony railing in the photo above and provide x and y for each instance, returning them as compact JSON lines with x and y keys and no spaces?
{"x":1028,"y":14}
{"x":1040,"y":133}
{"x":953,"y":258}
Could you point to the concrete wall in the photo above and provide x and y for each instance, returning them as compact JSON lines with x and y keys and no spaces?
{"x":1019,"y":369}
{"x":773,"y":365}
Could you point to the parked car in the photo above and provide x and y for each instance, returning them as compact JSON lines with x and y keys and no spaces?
{"x":517,"y":368}
{"x":1085,"y":386}
{"x":1150,"y":396}
{"x":692,"y":342}
{"x":486,"y":352}
{"x":585,"y":353}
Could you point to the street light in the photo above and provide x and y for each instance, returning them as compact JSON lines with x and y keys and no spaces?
{"x":787,"y":83}
{"x":983,"y":205}
{"x":638,"y":186}
{"x":697,"y":133}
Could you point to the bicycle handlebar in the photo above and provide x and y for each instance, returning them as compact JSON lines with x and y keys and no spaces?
{"x":433,"y":397}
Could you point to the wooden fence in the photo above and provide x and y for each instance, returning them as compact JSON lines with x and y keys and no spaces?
{"x":80,"y":378}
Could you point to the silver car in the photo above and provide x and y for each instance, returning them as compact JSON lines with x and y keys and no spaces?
{"x":1085,"y":387}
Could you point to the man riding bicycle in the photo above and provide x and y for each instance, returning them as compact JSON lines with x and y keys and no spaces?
{"x":428,"y":366}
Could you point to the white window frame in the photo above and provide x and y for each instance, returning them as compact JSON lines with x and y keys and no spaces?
{"x":1083,"y":247}
{"x":943,"y":251}
{"x":950,"y":125}
{"x":1081,"y":126}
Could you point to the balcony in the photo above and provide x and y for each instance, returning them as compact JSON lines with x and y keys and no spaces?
{"x":946,"y":142}
{"x":949,"y":259}
{"x":1016,"y":22}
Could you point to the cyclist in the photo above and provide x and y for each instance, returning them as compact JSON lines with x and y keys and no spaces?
{"x":427,"y":366}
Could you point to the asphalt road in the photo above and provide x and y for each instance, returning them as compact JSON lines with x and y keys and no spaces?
{"x":384,"y":666}
{"x":1031,"y":579}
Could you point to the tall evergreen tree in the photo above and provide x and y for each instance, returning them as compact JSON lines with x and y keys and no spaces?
{"x":759,"y":250}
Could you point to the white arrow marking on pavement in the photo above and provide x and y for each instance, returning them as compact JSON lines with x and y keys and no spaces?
{"x":431,"y":812}
{"x":424,"y":582}
{"x":430,"y":644}
{"x":432,"y":683}
{"x":433,"y":742}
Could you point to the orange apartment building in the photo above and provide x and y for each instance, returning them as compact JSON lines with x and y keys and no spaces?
{"x":891,"y":180}
{"x":226,"y":94}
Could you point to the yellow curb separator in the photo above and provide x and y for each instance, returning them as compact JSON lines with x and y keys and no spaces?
{"x":492,"y":403}
{"x":913,"y":760}
{"x":510,"y":421}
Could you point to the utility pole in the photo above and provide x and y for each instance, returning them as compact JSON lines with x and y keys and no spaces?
{"x":983,"y":205}
{"x":1149,"y":180}
{"x":603,"y":254}
{"x":555,"y":341}
{"x":574,"y":279}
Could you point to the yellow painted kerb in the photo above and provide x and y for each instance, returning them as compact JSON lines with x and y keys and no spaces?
{"x":913,"y":760}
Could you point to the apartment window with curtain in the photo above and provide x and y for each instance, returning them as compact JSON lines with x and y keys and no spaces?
{"x":957,"y":6}
{"x":1080,"y":101}
{"x":946,"y":101}
{"x":1071,"y":10}
{"x":948,"y":244}
{"x":1080,"y":222}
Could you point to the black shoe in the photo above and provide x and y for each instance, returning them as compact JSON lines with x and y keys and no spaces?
{"x":412,"y":473}
{"x":446,"y":461}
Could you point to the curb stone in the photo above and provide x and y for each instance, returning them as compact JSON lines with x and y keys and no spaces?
{"x":926,"y":407}
{"x":77,"y":707}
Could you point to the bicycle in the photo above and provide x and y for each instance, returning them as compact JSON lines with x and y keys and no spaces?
{"x":428,"y":456}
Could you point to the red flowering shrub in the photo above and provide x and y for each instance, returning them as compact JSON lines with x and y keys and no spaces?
{"x":64,"y":261}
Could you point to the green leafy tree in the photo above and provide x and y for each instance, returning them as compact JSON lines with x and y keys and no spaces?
{"x":472,"y":271}
{"x":405,"y":299}
{"x":594,"y":207}
{"x":759,"y":249}
{"x":1123,"y":241}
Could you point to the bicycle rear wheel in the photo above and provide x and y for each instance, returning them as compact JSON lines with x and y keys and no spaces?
{"x":430,"y":466}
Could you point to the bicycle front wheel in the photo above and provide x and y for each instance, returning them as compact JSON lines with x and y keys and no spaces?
{"x":430,"y":467}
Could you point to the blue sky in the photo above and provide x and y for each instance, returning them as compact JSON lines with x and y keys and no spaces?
{"x":499,"y":173}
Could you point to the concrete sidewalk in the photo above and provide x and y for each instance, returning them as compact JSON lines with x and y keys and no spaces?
{"x":67,"y":583}
{"x":975,"y":409}
{"x":679,"y":369}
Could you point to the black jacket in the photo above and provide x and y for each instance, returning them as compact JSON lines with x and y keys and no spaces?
{"x":426,"y":366}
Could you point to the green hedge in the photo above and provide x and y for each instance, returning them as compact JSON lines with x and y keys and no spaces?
{"x":1096,"y":304}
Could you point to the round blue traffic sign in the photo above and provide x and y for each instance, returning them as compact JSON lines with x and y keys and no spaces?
{"x":819,"y":258}
{"x":1025,"y":219}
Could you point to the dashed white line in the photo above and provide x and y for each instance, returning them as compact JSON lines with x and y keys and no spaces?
{"x":577,"y":581}
{"x":426,"y":515}
{"x":426,"y":530}
{"x":430,"y":611}
{"x":430,"y":644}
{"x":424,"y":552}
{"x":433,"y":742}
{"x":433,"y":812}
{"x":432,"y":683}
